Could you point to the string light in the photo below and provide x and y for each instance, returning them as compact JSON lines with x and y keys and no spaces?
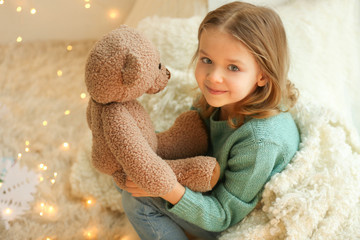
{"x":1,"y":2}
{"x":87,"y":5}
{"x":67,"y":112}
{"x":59,"y":73}
{"x":46,"y":209}
{"x":83,"y":95}
{"x":27,"y":142}
{"x":113,"y":14}
{"x":19,"y":9}
{"x":19,"y":155}
{"x":45,"y":123}
{"x":33,"y":11}
{"x":90,"y":202}
{"x":19,"y":39}
{"x":69,"y":48}
{"x":90,"y":234}
{"x":43,"y":166}
{"x":8,"y":211}
{"x":27,"y":149}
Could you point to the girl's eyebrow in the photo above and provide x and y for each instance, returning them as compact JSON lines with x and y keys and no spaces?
{"x":203,"y":52}
{"x":237,"y":61}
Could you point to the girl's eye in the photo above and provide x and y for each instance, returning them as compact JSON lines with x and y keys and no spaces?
{"x":206,"y":60}
{"x":233,"y":68}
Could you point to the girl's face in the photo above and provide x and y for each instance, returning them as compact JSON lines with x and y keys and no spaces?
{"x":226,"y":71}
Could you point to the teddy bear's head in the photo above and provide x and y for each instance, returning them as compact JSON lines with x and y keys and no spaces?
{"x":122,"y":66}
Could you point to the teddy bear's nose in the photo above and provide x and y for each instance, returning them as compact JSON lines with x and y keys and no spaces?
{"x":168,"y":73}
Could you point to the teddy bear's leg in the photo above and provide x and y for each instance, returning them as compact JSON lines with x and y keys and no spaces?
{"x":119,"y":178}
{"x":200,"y":173}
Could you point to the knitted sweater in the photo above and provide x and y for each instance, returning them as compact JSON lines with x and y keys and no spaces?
{"x":248,"y":157}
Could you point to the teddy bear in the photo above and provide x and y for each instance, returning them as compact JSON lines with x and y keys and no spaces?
{"x":122,"y":66}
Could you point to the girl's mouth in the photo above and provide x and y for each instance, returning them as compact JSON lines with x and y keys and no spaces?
{"x":215,"y":91}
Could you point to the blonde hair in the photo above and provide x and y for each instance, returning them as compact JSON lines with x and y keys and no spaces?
{"x":261,"y":30}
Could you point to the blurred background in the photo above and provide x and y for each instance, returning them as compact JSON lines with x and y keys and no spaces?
{"x":28,"y":20}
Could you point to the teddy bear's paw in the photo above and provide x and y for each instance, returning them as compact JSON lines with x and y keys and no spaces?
{"x":200,"y":173}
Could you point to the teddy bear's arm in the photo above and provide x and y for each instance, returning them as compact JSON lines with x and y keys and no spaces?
{"x":186,"y":138}
{"x":131,"y":149}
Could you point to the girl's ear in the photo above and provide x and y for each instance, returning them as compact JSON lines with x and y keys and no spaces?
{"x":262,"y":80}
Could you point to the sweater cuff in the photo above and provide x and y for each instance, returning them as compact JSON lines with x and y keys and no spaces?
{"x":185,"y":203}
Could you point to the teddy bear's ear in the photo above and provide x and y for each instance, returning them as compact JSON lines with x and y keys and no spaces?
{"x":131,"y":70}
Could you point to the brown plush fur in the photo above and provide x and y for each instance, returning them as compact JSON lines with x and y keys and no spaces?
{"x":122,"y":66}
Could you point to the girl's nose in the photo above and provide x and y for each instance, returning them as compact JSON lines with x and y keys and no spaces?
{"x":214,"y":75}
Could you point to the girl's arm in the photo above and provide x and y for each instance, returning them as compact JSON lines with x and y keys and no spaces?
{"x":172,"y":197}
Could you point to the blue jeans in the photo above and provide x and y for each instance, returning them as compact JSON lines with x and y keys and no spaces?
{"x":152,"y":221}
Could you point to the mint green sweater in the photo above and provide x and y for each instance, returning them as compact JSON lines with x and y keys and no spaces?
{"x":248,"y":157}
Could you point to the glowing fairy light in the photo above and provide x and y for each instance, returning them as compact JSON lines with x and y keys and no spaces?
{"x":55,"y":174}
{"x":19,"y":39}
{"x":113,"y":14}
{"x":87,"y":5}
{"x":27,"y":142}
{"x":89,"y":202}
{"x":33,"y":11}
{"x":69,"y":48}
{"x":27,"y":149}
{"x":1,"y":2}
{"x":8,"y":211}
{"x":45,"y":123}
{"x":59,"y":73}
{"x":67,"y":112}
{"x":90,"y":234}
{"x":66,"y":145}
{"x":52,"y":181}
{"x":43,"y":167}
{"x":83,"y":95}
{"x":51,"y":209}
{"x":19,"y":155}
{"x":19,"y":9}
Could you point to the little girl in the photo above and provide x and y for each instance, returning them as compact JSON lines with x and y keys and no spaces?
{"x":241,"y":69}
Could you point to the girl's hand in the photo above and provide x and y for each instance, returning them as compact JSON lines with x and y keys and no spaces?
{"x":173,"y":196}
{"x":135,"y":190}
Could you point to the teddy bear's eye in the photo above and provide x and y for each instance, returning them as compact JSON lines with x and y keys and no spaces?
{"x":159,"y":65}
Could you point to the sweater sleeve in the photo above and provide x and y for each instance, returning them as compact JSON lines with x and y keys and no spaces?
{"x":238,"y":192}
